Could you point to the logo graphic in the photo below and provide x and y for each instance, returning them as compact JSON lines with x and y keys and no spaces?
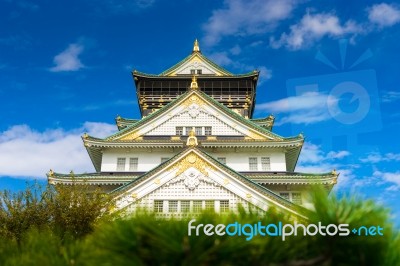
{"x":349,"y":102}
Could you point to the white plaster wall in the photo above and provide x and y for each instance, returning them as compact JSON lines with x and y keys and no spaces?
{"x":240,"y":161}
{"x":185,"y":69}
{"x":203,"y":119}
{"x":148,"y":160}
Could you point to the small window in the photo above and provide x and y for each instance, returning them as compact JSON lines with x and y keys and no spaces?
{"x":253,"y":164}
{"x":188,"y":129}
{"x":173,"y":206}
{"x":198,"y":131}
{"x":133,"y":164}
{"x":192,"y":71}
{"x":163,"y":160}
{"x":199,"y":71}
{"x":185,"y":206}
{"x":222,"y":160}
{"x":265,"y":163}
{"x":179,"y":131}
{"x":296,"y":198}
{"x":207,"y":131}
{"x":209,"y":205}
{"x":197,"y":206}
{"x":224,"y":205}
{"x":284,"y":195}
{"x":158,"y":206}
{"x":121,"y":164}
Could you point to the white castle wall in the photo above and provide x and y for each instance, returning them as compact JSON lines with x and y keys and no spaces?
{"x":201,"y":120}
{"x":148,"y":160}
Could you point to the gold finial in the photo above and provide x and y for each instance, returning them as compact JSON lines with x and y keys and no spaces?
{"x":118,"y":117}
{"x":334,"y":172}
{"x":51,"y":173}
{"x":194,"y":85}
{"x":85,"y":136}
{"x":196,"y":47}
{"x":192,"y":140}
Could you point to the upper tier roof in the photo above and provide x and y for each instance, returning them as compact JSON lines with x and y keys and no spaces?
{"x":196,"y":61}
{"x":252,"y":134}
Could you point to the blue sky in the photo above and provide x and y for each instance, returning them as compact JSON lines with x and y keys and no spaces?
{"x":329,"y":70}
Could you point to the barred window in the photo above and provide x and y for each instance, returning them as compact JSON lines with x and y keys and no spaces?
{"x":209,"y":205}
{"x":265,"y":163}
{"x":296,"y":198}
{"x":185,"y":206}
{"x":173,"y":206}
{"x":222,"y":160}
{"x":192,"y":71}
{"x":179,"y":131}
{"x":164,"y":159}
{"x":199,"y":72}
{"x":285,"y":195}
{"x":121,"y":164}
{"x":198,"y":131}
{"x":158,"y":206}
{"x":188,"y":129}
{"x":133,"y":164}
{"x":197,"y":206}
{"x":207,"y":131}
{"x":253,"y":164}
{"x":224,"y":205}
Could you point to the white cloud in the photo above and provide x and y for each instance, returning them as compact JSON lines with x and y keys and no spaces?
{"x":306,"y":108}
{"x":313,"y":27}
{"x":68,"y":60}
{"x":376,"y":157}
{"x":384,"y":15}
{"x":314,"y":160}
{"x":25,"y":152}
{"x":390,"y":96}
{"x":221,"y":58}
{"x":338,"y":155}
{"x":391,"y":177}
{"x":240,"y":17}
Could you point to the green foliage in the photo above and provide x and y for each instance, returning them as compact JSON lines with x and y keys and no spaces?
{"x":68,"y":210}
{"x":65,"y":236}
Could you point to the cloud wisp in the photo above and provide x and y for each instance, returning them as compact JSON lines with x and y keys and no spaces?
{"x":68,"y":60}
{"x":25,"y":152}
{"x":313,"y":27}
{"x":314,"y":160}
{"x":306,"y":108}
{"x":241,"y":18}
{"x":384,"y":15}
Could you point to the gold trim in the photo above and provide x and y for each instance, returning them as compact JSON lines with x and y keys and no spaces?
{"x":192,"y":160}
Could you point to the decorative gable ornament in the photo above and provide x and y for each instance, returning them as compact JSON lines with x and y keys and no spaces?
{"x":193,"y":110}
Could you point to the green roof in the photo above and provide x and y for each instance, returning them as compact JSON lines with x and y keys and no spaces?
{"x":215,"y":103}
{"x":186,"y":59}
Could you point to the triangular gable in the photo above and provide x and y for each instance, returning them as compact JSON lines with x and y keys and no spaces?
{"x":196,"y":61}
{"x":197,"y":174}
{"x":190,"y":103}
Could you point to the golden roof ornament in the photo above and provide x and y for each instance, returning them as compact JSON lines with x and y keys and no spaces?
{"x":196,"y":47}
{"x":194,"y":85}
{"x":192,"y":140}
{"x":51,"y":173}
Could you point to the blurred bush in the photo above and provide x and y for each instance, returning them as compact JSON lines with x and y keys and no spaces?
{"x":73,"y":234}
